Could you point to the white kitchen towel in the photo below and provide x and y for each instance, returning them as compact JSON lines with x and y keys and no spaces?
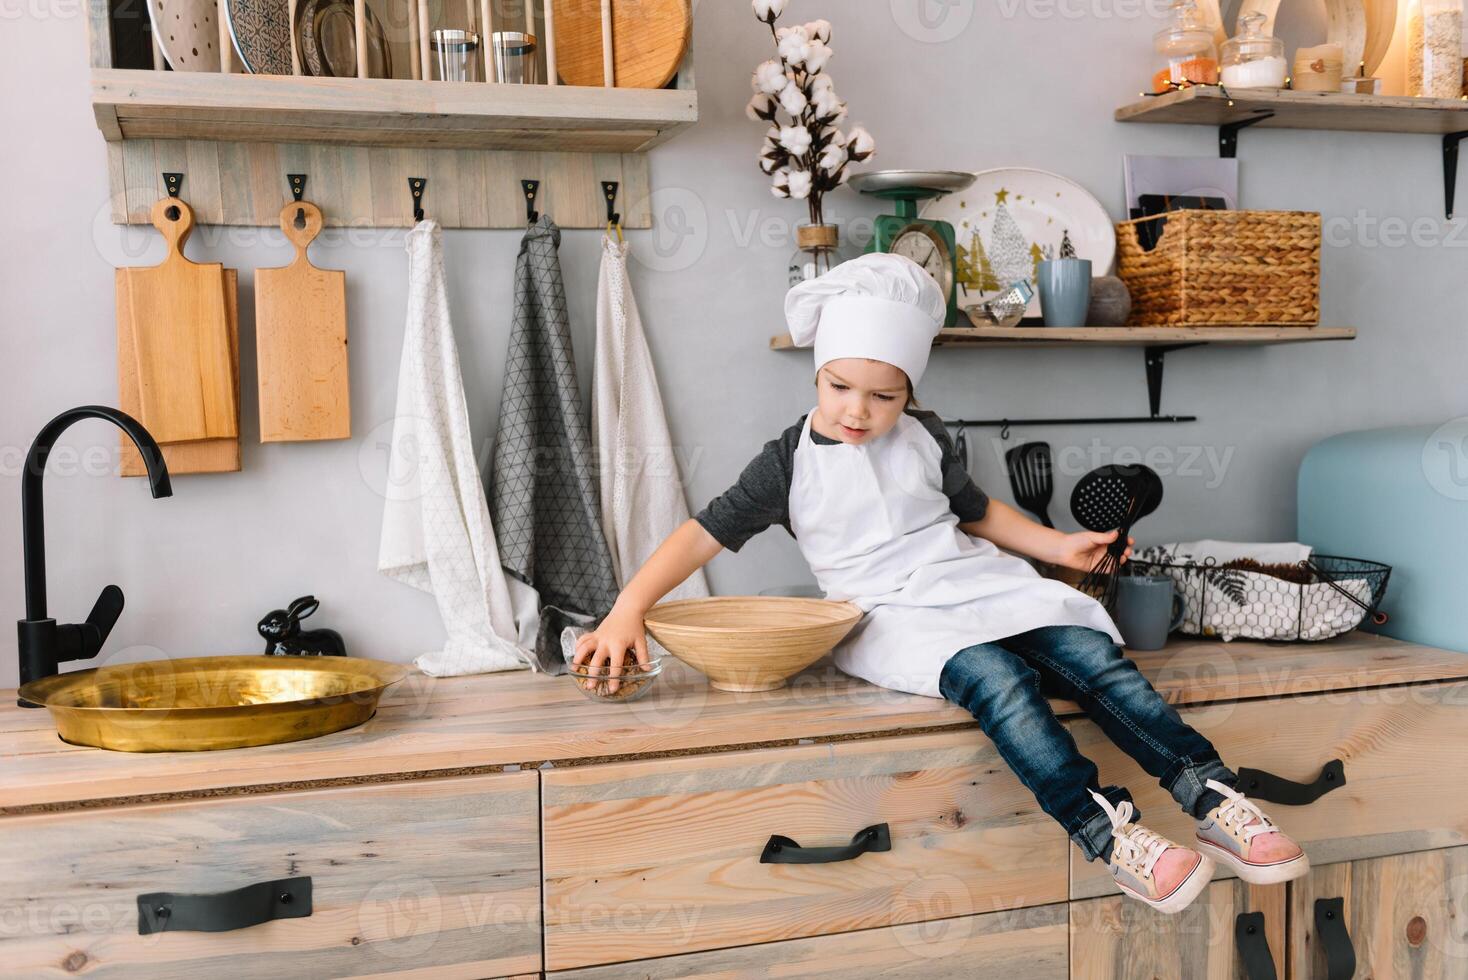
{"x":436,"y":530}
{"x":642,"y":500}
{"x":1222,"y":552}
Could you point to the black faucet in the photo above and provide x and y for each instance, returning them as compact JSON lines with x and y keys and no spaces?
{"x":43,"y":644}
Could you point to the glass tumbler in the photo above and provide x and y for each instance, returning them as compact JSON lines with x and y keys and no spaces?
{"x":514,"y":57}
{"x":456,"y":55}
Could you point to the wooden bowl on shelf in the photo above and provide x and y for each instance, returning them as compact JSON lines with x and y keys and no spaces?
{"x":750,"y":643}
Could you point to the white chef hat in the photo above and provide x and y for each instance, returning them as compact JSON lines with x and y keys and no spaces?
{"x":880,"y":306}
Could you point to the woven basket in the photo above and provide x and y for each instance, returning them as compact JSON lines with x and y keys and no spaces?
{"x":1224,"y":268}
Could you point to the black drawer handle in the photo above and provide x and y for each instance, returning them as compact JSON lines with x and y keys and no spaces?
{"x":1277,"y":789}
{"x":783,"y":850}
{"x":285,"y":898}
{"x":1334,"y":938}
{"x":1253,"y":946}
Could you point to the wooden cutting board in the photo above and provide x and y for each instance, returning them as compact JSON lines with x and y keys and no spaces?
{"x":180,"y":339}
{"x":301,"y":341}
{"x":649,"y":40}
{"x":202,"y":456}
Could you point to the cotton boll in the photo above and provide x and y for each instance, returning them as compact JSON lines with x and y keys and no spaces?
{"x":861,"y":144}
{"x":817,"y":57}
{"x":780,"y":185}
{"x":761,"y":108}
{"x":792,"y":99}
{"x":793,"y":45}
{"x":770,"y":77}
{"x":799,"y":184}
{"x":826,"y":104}
{"x":818,"y":30}
{"x":796,"y":139}
{"x":768,"y":10}
{"x":833,"y":157}
{"x":822,"y":83}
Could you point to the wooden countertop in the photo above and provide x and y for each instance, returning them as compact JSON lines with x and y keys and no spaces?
{"x":429,"y":725}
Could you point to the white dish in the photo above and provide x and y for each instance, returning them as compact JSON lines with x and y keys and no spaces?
{"x":187,"y":32}
{"x":1033,"y":210}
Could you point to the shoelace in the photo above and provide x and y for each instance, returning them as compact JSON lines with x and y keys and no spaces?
{"x":1241,"y":812}
{"x":1133,"y":843}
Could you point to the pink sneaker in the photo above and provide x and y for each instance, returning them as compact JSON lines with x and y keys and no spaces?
{"x":1238,"y":833}
{"x":1151,"y":868}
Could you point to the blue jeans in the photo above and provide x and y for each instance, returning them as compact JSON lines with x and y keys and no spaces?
{"x":1005,"y":684}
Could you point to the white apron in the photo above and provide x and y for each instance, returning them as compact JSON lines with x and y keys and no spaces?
{"x":874,"y":525}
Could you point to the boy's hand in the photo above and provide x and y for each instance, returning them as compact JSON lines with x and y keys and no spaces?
{"x":1083,"y":549}
{"x":612,"y":645}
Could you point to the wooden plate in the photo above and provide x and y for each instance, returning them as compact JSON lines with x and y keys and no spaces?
{"x":649,"y":39}
{"x":261,"y":32}
{"x":187,"y":32}
{"x":1363,"y":28}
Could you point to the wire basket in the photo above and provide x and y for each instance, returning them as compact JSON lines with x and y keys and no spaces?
{"x":1330,"y":595}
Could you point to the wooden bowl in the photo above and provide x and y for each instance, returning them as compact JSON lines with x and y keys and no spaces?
{"x":750,"y":643}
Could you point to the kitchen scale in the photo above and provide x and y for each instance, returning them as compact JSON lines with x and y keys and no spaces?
{"x":931,"y":244}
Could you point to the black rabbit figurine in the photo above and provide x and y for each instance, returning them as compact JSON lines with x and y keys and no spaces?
{"x":283,"y":633}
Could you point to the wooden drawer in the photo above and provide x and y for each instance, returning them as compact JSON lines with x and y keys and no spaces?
{"x":663,"y":856}
{"x":1119,"y":938}
{"x":1403,"y":915}
{"x":1402,"y":748}
{"x":1024,"y":944}
{"x":432,"y":875}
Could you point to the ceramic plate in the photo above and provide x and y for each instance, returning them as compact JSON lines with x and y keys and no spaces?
{"x":326,"y":35}
{"x":187,"y":31}
{"x":261,"y":31}
{"x":1009,"y":219}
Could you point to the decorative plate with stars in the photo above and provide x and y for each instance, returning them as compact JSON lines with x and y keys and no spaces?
{"x":1011,"y":218}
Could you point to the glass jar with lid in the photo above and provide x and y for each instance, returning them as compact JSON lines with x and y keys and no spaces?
{"x":1187,"y":49}
{"x":1252,"y":58}
{"x":1435,"y":48}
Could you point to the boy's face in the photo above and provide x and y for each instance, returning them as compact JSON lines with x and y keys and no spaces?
{"x":858,"y":399}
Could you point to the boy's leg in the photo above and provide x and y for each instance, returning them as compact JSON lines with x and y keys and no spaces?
{"x":1085,"y":666}
{"x":1003,"y":693}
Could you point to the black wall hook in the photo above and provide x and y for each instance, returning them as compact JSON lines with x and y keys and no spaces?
{"x":298,"y":191}
{"x":171,"y":184}
{"x":416,"y":186}
{"x":609,"y":190}
{"x":531,"y":188}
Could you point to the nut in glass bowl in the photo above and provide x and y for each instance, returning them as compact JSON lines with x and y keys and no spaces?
{"x":632,"y":681}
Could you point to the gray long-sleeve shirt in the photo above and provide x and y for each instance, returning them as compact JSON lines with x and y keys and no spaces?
{"x":761,"y":496}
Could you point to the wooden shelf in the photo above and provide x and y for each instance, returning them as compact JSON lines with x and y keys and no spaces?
{"x":132,"y":104}
{"x":1020,"y":337}
{"x":1209,"y":106}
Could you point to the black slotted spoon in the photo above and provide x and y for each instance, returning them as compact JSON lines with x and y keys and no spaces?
{"x":1113,"y":498}
{"x":1031,"y":477}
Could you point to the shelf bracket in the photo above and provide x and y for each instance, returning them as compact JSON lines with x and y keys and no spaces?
{"x":1450,"y":168}
{"x":1154,"y":359}
{"x":1228,"y":134}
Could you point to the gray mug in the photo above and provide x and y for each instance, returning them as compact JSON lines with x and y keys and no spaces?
{"x":1065,"y":291}
{"x":1148,"y":607}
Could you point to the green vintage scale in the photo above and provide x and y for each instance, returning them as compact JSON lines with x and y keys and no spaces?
{"x":931,"y":244}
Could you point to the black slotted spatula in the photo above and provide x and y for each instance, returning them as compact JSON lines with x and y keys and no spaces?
{"x":1031,"y":477}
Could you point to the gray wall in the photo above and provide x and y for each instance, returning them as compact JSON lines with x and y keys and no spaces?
{"x":1004,"y":82}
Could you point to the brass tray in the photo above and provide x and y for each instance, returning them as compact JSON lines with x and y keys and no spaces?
{"x":203,"y":703}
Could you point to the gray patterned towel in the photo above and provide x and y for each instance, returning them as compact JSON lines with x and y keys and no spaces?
{"x":544,"y":495}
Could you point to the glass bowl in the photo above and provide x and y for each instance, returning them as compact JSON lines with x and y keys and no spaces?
{"x":635,"y":680}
